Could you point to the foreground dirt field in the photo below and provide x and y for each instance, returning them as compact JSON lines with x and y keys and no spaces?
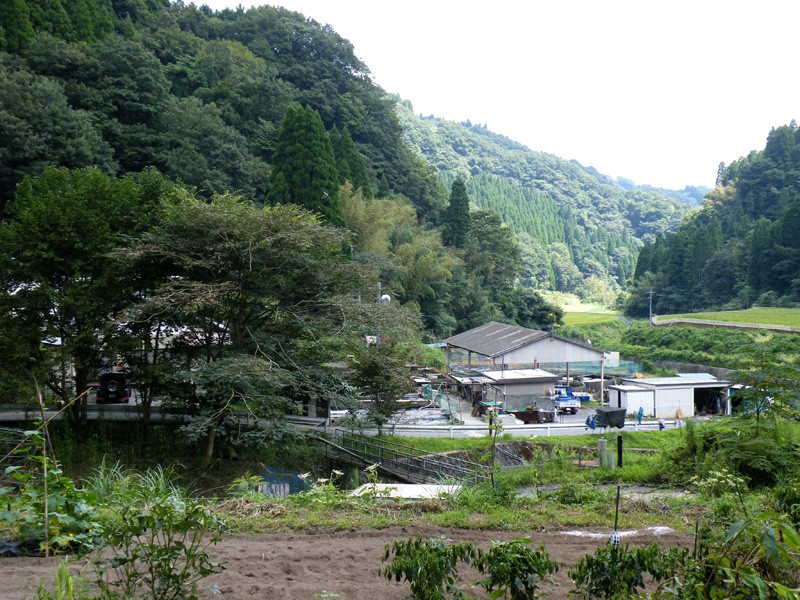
{"x":301,"y":565}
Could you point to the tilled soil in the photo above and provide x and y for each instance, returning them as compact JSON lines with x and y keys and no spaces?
{"x":342,"y":564}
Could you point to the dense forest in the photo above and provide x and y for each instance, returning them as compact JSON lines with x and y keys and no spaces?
{"x":741,"y":248}
{"x":204,"y":97}
{"x":209,"y":199}
{"x":580,"y":231}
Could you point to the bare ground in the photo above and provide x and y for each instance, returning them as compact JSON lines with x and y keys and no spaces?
{"x":303,"y":565}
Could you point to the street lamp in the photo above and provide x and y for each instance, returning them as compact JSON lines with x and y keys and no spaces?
{"x":381,"y":299}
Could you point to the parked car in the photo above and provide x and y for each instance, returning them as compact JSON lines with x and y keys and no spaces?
{"x":113,"y":388}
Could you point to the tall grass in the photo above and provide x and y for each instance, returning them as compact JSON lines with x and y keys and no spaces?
{"x":115,"y":484}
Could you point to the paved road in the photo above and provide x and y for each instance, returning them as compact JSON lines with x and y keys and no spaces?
{"x":471,"y":427}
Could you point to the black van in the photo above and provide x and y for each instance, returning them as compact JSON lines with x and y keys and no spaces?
{"x":113,"y":388}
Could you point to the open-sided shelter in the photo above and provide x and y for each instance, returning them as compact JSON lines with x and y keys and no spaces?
{"x":510,"y":346}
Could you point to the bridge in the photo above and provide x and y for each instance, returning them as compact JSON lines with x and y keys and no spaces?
{"x":405,"y":463}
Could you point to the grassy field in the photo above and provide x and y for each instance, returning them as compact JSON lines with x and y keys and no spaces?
{"x":764,"y":316}
{"x":584,"y":318}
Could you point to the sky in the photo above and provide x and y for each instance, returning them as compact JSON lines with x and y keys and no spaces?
{"x":654,"y":91}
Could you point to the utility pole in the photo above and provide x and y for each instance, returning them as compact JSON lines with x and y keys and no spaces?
{"x":650,"y":297}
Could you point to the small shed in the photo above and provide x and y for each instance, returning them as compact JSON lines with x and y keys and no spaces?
{"x":517,"y":389}
{"x":670,"y":397}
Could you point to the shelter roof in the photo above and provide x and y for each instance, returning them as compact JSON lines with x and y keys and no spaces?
{"x":681,"y":382}
{"x":520,"y":375}
{"x":495,"y":339}
{"x":629,"y":388}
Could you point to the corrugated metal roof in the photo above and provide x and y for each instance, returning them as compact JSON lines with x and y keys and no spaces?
{"x":495,"y":339}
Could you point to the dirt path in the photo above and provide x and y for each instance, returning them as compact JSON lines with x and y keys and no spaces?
{"x":303,"y":565}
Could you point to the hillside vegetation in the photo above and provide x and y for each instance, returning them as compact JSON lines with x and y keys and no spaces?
{"x":573,"y":223}
{"x":741,"y":248}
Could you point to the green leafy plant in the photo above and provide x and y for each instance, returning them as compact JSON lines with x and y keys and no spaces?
{"x":67,"y":586}
{"x":245,"y":486}
{"x":787,"y":498}
{"x":65,"y":517}
{"x":618,"y":571}
{"x":577,"y":493}
{"x":430,"y":567}
{"x":372,"y":492}
{"x":718,"y":482}
{"x":759,"y":558}
{"x":322,"y":492}
{"x":514,"y":570}
{"x":158,"y":550}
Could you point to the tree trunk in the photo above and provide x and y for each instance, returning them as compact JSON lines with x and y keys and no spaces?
{"x":211,"y":437}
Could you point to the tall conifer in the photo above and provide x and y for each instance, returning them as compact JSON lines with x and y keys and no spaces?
{"x":16,"y":23}
{"x":349,"y":162}
{"x":304,"y":167}
{"x":456,"y":218}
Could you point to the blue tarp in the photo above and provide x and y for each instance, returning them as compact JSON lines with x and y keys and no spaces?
{"x":278,"y":482}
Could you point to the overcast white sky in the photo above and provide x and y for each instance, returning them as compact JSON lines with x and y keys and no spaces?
{"x":658,"y":92}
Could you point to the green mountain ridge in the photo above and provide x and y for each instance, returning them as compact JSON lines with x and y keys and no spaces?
{"x":741,"y":248}
{"x":200,"y":96}
{"x":600,"y":225}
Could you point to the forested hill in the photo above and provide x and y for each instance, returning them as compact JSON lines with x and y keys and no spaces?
{"x":742,"y":248}
{"x":573,"y":223}
{"x":199,"y":95}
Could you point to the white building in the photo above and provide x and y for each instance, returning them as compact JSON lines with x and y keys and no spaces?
{"x":671,"y":397}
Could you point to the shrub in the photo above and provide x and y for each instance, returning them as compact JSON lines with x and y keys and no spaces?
{"x":759,"y":558}
{"x":573,"y":493}
{"x":157,"y":550}
{"x":514,"y":570}
{"x":618,"y":571}
{"x":430,"y":567}
{"x":478,"y":497}
{"x":71,"y":512}
{"x":787,"y":498}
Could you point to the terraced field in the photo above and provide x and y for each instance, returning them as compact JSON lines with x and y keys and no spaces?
{"x":785,"y":317}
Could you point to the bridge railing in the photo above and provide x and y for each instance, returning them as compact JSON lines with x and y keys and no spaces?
{"x":408,"y":461}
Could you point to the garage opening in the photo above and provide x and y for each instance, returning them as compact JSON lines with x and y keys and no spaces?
{"x":709,"y":401}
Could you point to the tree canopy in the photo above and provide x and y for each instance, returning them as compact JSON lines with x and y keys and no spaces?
{"x":741,"y":247}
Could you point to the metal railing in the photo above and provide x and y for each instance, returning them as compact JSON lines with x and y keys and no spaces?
{"x":406,"y":462}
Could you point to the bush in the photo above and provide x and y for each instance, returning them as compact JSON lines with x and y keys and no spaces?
{"x":478,"y":497}
{"x":787,"y":498}
{"x":71,"y":512}
{"x":618,"y":572}
{"x":514,"y":570}
{"x":758,"y":558}
{"x":573,"y":493}
{"x":157,"y":550}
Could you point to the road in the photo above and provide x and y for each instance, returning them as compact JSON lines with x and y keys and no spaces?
{"x":471,"y":426}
